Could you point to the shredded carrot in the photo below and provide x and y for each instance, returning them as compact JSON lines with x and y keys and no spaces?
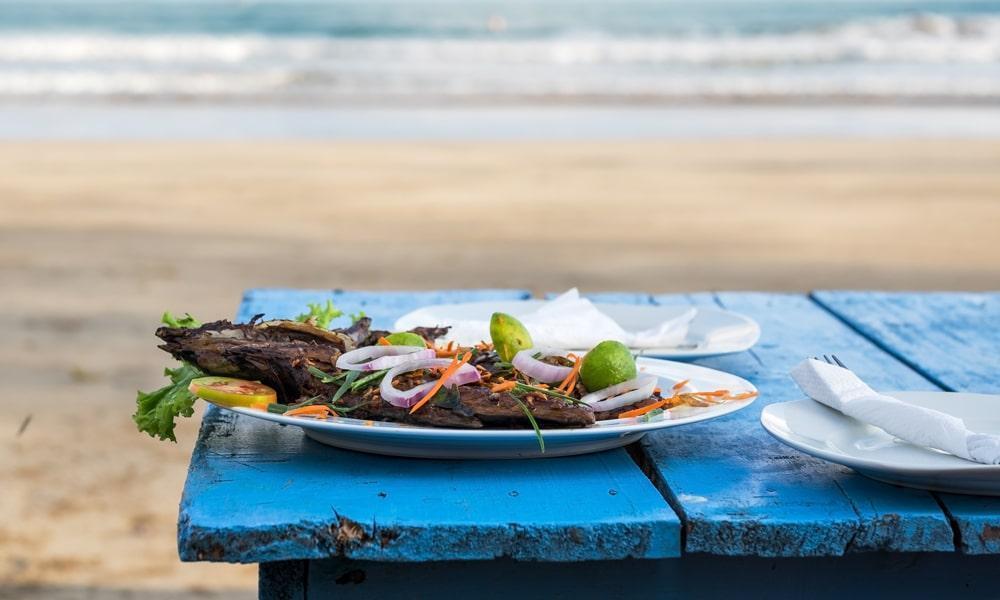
{"x":446,"y":353}
{"x":744,"y":396}
{"x":637,"y":412}
{"x":451,"y":345}
{"x":681,"y":384}
{"x":504,"y":387}
{"x":312,"y":410}
{"x":453,"y":368}
{"x":569,"y":383}
{"x":383,"y":342}
{"x":715,"y":393}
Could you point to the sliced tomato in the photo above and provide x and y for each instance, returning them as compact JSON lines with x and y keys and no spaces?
{"x":232,"y":392}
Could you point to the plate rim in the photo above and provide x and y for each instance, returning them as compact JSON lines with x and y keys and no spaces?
{"x":768,"y":418}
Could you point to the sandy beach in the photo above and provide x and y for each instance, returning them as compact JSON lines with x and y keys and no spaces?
{"x":97,"y":239}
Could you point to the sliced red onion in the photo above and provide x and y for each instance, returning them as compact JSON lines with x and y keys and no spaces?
{"x":405,"y":399}
{"x":525,"y":362}
{"x":622,"y":394}
{"x":376,"y":358}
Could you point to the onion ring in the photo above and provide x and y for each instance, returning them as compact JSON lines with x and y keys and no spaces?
{"x":407,"y":398}
{"x":622,"y":394}
{"x":525,"y":362}
{"x":376,"y":358}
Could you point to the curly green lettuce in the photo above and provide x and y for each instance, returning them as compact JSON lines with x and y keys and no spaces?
{"x":185,"y":322}
{"x":157,"y":411}
{"x":320,"y":315}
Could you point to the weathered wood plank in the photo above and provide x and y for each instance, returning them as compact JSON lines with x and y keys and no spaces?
{"x":954,"y":338}
{"x":260,"y":492}
{"x":739,"y":492}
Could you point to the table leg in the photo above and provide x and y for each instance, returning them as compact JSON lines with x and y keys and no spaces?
{"x":868,"y":575}
{"x":283,"y":580}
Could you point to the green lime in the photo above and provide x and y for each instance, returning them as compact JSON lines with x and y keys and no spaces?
{"x":509,"y":336}
{"x":607,"y":364}
{"x":405,"y":338}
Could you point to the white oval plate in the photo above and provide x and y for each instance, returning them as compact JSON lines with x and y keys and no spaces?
{"x":632,"y":317}
{"x":822,"y":432}
{"x":397,"y":439}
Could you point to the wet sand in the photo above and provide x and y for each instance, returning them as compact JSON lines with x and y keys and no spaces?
{"x":97,"y":239}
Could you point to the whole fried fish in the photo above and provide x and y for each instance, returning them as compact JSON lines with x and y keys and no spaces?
{"x":279,"y":354}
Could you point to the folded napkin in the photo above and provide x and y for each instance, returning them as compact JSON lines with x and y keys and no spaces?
{"x":572,"y":322}
{"x":842,"y":390}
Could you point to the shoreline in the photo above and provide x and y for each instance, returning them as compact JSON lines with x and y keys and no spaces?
{"x":246,"y":122}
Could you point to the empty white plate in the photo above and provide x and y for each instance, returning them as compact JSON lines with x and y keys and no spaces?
{"x":630,"y":316}
{"x":398,"y":439}
{"x":822,"y":432}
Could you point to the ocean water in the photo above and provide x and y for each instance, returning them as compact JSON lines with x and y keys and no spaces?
{"x":481,"y":52}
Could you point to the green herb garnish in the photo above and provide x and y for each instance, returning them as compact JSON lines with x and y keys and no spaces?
{"x":325,"y":377}
{"x":185,"y":322}
{"x":156,"y":411}
{"x":351,"y":377}
{"x":646,"y":418}
{"x":534,"y":423}
{"x":524,"y":387}
{"x":277,"y":408}
{"x":308,"y":402}
{"x":346,"y":409}
{"x":369,"y":380}
{"x":320,"y":315}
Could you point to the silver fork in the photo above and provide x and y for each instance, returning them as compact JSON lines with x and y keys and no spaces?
{"x":833,"y":360}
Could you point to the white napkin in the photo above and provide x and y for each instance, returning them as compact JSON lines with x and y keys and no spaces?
{"x":572,"y":322}
{"x":842,"y":390}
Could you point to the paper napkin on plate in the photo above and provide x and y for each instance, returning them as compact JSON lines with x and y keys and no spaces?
{"x":842,"y":390}
{"x":572,"y":322}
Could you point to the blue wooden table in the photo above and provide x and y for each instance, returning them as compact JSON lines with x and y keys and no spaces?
{"x":706,"y":510}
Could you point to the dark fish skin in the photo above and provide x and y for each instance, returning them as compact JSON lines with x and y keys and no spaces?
{"x":278,"y":353}
{"x":274,"y":352}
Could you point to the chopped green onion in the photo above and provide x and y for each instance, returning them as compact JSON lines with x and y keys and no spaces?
{"x":351,"y":377}
{"x":308,"y":402}
{"x":547,"y":392}
{"x":277,"y":408}
{"x":534,"y":423}
{"x":367,"y":380}
{"x":346,"y":409}
{"x":325,"y":377}
{"x":646,"y":418}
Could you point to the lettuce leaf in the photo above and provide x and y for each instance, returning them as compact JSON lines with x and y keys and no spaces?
{"x":185,"y":322}
{"x":156,"y":411}
{"x":320,"y":315}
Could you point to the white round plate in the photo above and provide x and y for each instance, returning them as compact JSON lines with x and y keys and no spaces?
{"x":396,"y":439}
{"x":822,"y":432}
{"x":632,"y":317}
